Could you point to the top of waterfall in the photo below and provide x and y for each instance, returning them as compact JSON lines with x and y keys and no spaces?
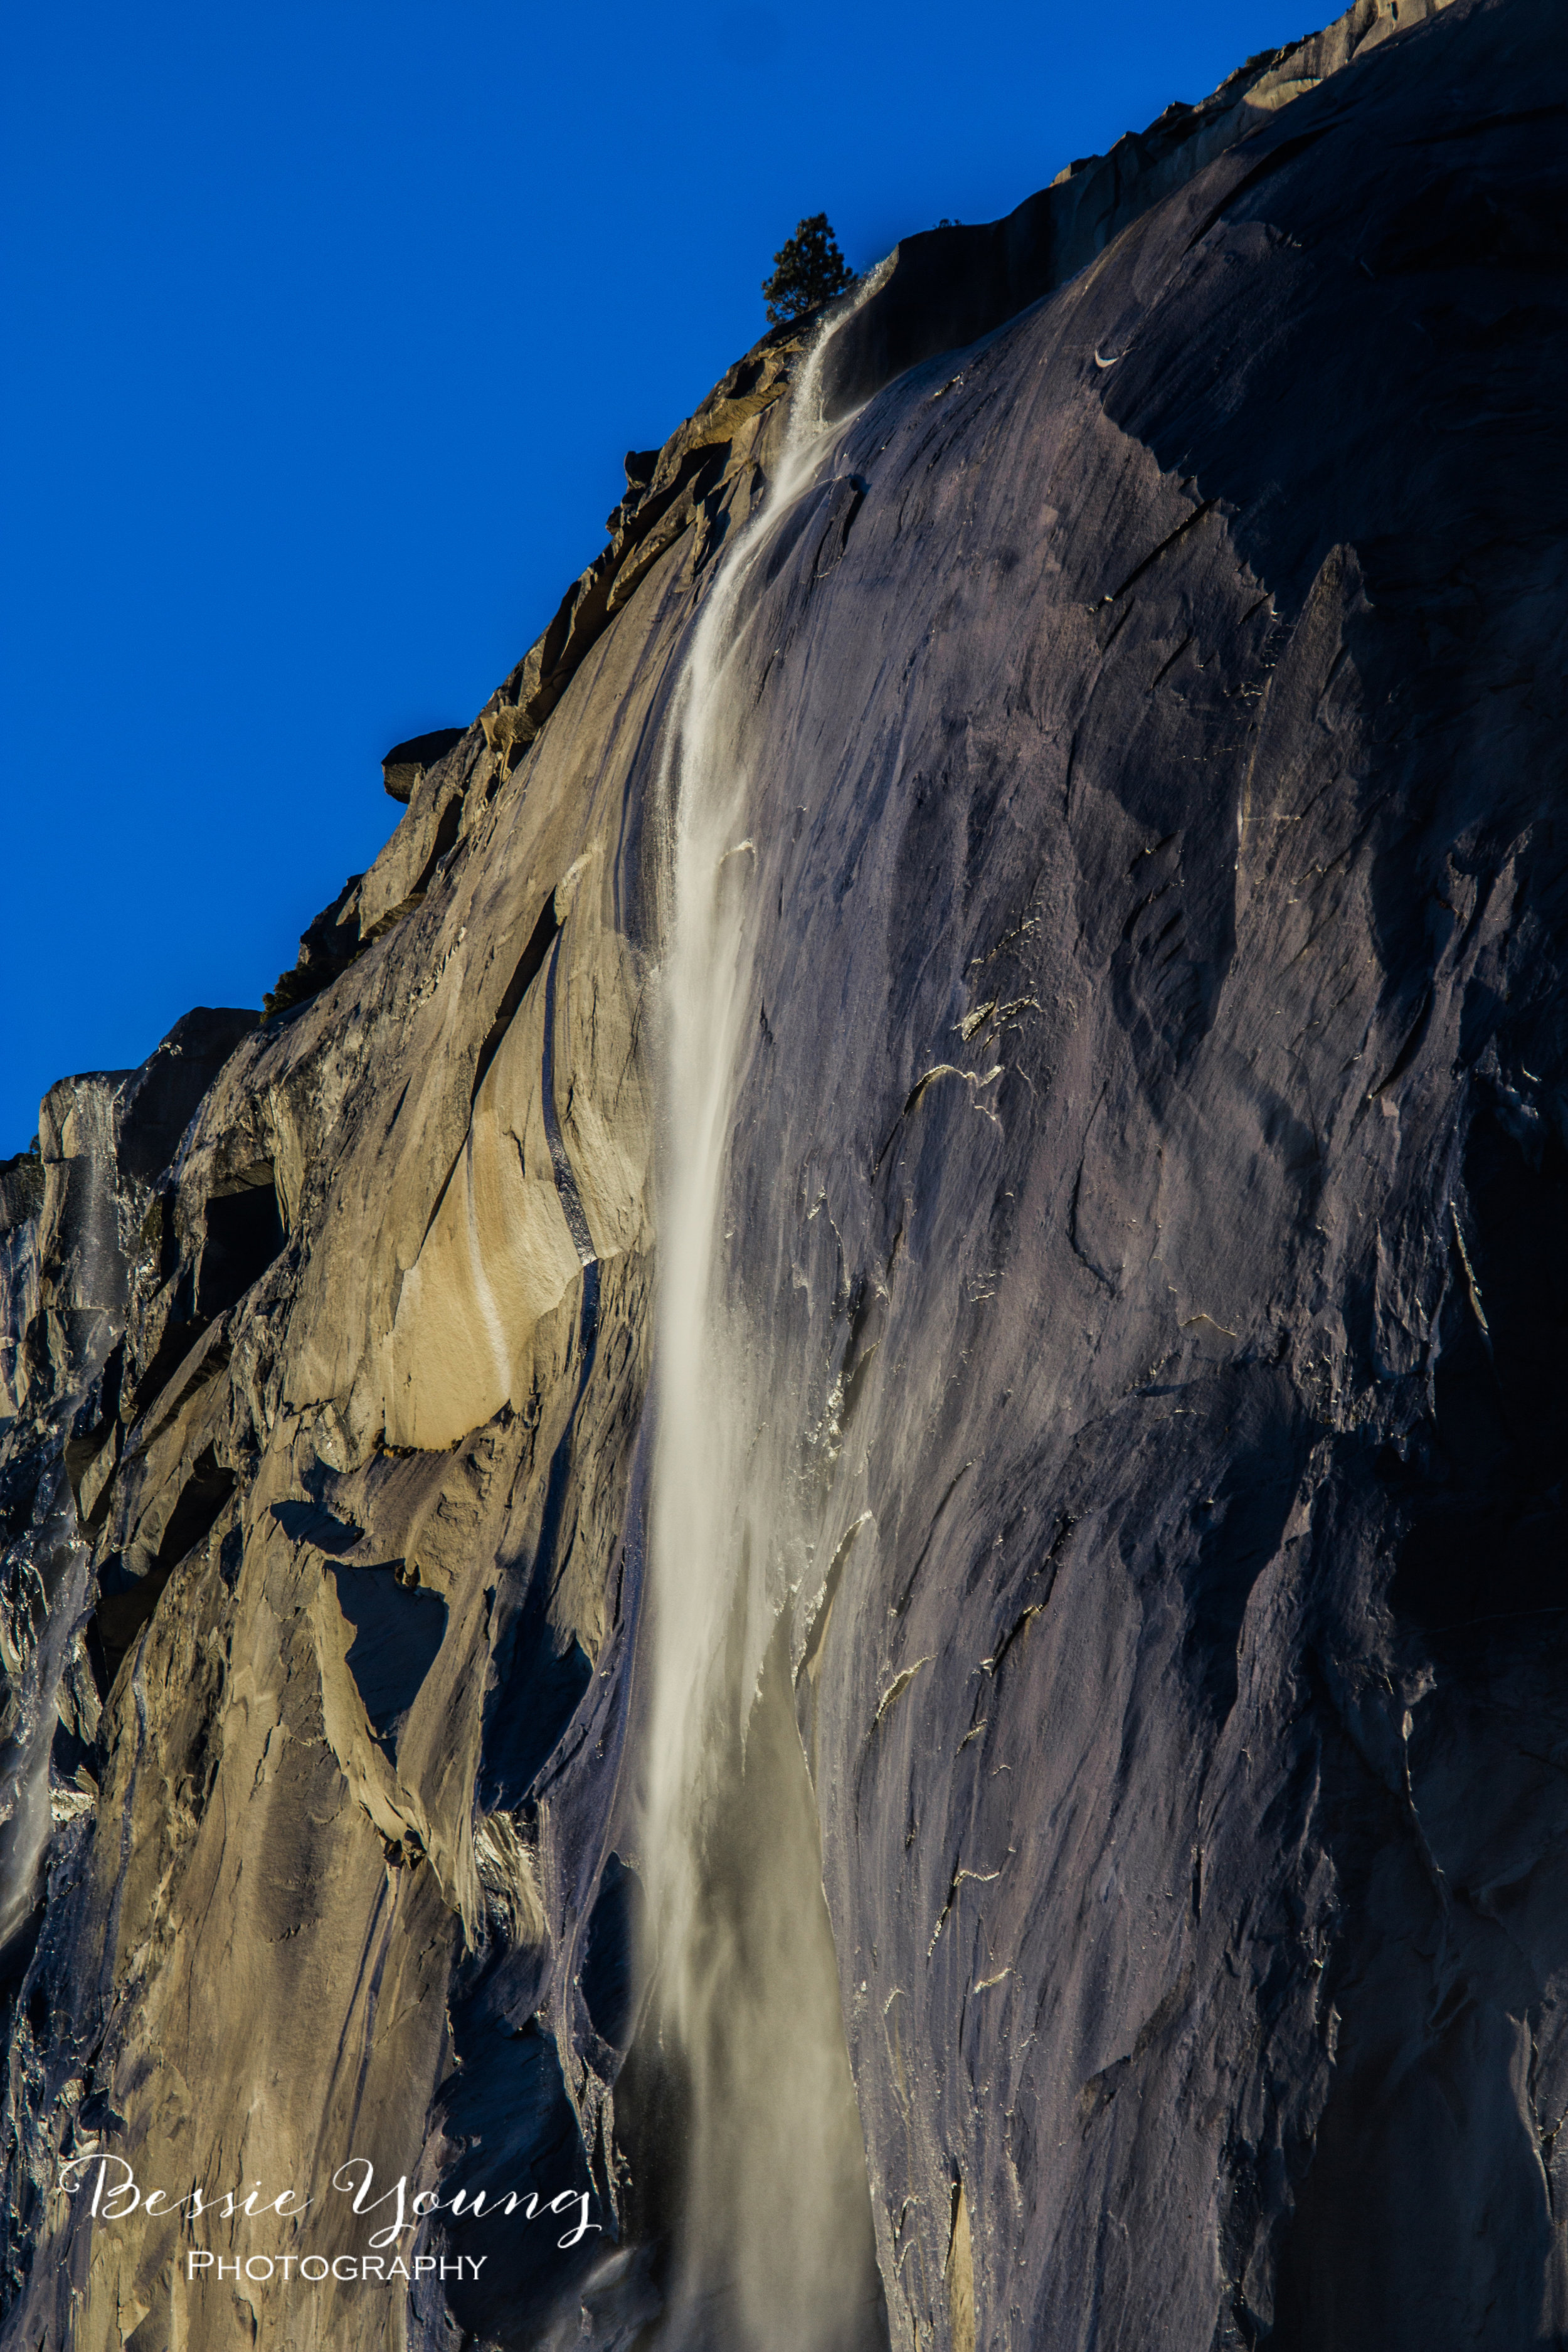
{"x":938,"y":289}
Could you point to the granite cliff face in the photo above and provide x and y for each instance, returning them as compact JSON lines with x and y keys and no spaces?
{"x":1143,"y":1180}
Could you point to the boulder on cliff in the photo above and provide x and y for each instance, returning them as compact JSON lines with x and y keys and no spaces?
{"x":403,"y":767}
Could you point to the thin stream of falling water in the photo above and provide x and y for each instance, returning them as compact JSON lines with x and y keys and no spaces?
{"x":774,"y":2250}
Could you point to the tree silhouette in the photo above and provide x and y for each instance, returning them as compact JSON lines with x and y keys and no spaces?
{"x":808,"y":270}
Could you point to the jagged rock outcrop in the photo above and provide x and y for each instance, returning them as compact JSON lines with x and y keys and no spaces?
{"x":21,"y":1199}
{"x":1148,"y":1187}
{"x":405,"y":763}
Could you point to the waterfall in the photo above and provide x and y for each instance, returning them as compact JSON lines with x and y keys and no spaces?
{"x":773,"y":2245}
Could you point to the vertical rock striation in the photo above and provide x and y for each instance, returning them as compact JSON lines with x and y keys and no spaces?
{"x":1148,"y":1191}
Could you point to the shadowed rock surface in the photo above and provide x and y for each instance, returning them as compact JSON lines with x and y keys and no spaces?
{"x":404,"y":765}
{"x":1151,"y":1185}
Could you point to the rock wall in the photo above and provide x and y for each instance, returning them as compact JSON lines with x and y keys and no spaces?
{"x":1151,"y":1170}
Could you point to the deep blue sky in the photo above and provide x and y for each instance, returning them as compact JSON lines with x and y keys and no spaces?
{"x":325,"y":327}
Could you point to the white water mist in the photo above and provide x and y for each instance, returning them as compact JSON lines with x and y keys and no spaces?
{"x":773,"y":2245}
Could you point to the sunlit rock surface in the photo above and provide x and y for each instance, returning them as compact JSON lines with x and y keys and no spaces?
{"x":1153,"y":1171}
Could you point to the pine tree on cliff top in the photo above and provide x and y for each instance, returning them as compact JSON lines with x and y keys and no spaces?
{"x":808,"y":270}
